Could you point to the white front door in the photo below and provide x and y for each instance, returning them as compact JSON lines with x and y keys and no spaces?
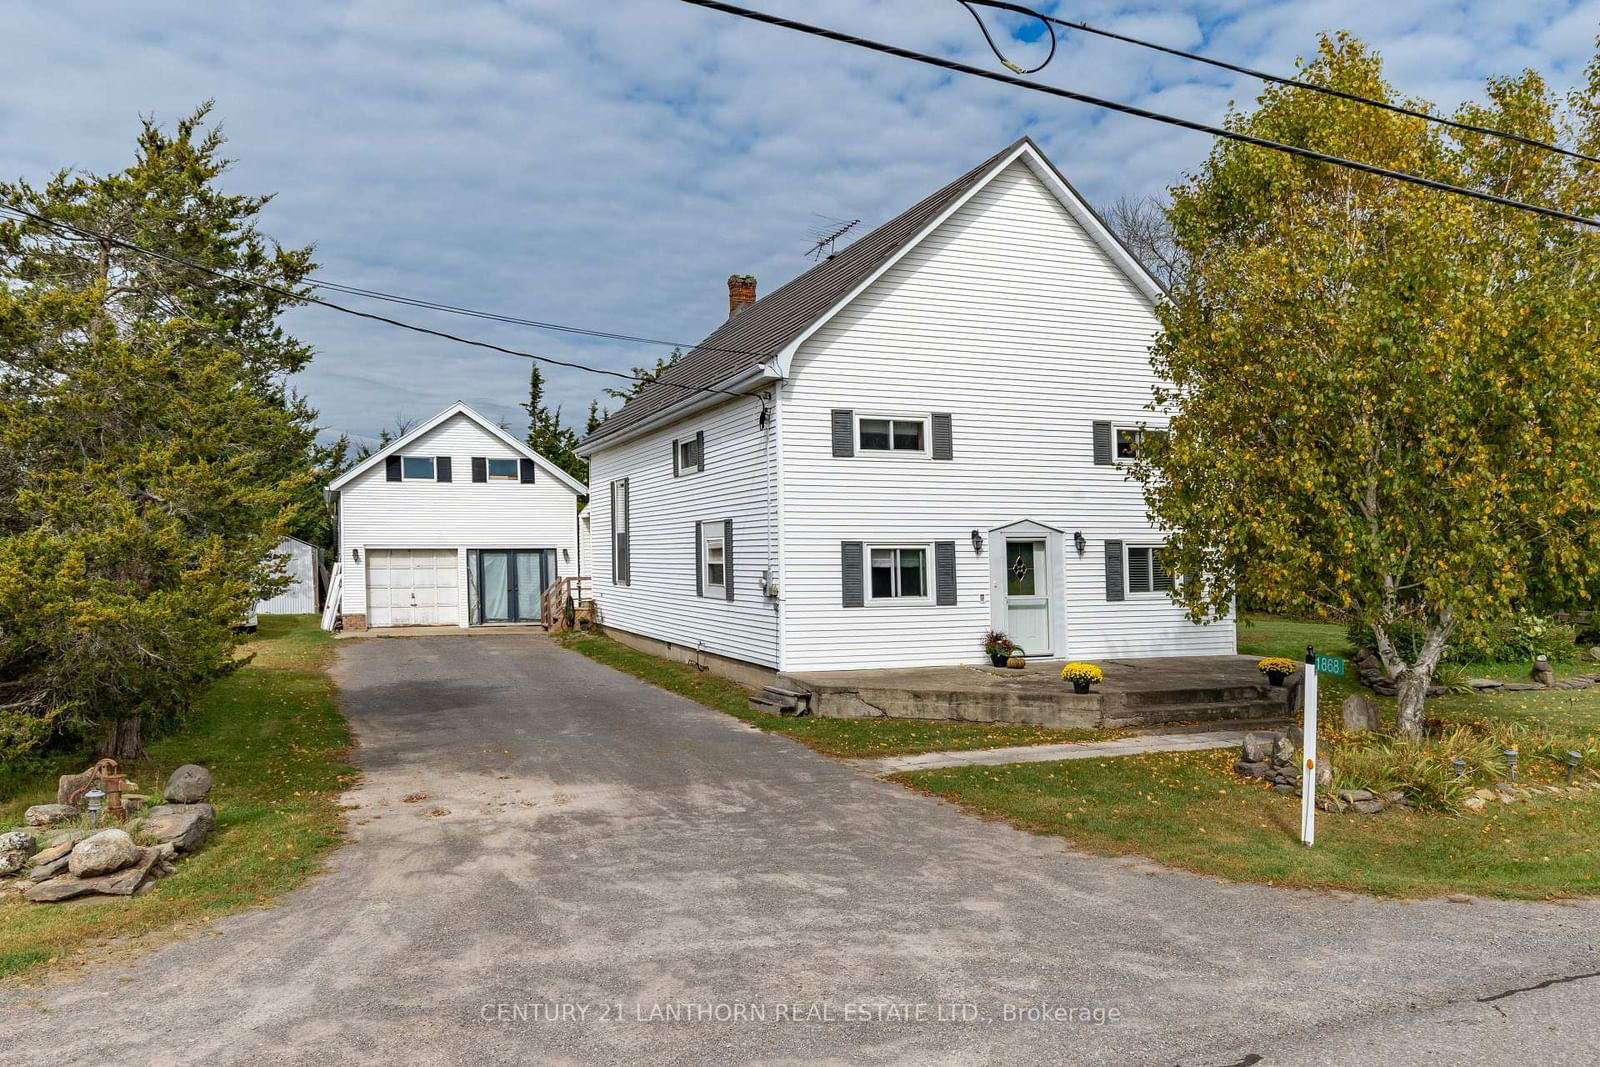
{"x":411,"y":587}
{"x":1027,"y":595}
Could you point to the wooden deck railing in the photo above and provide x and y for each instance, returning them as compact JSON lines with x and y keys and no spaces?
{"x":567,"y":603}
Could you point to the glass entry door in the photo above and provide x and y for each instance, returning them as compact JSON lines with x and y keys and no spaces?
{"x":1027,"y":596}
{"x":510,"y":583}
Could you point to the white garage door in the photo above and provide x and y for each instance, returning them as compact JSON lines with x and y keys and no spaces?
{"x":411,"y":587}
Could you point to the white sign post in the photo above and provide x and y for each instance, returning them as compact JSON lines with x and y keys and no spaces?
{"x":1308,"y":763}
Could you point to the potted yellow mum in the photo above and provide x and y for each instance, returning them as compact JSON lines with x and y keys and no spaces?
{"x":1276,"y":668}
{"x":1082,"y":676}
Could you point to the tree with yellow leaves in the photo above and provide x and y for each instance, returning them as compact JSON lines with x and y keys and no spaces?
{"x":1384,"y":399}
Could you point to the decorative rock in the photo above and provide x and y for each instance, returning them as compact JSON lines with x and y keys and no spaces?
{"x":121,"y":883}
{"x":189,"y":784}
{"x":1594,"y":652}
{"x":1294,"y":691}
{"x":1484,"y":683}
{"x":1369,"y":807}
{"x":68,"y":838}
{"x":1283,"y":788}
{"x":1542,"y":673}
{"x":184,"y":826}
{"x":42,"y":871}
{"x":1520,"y":687}
{"x":1251,"y":768}
{"x":1473,"y":803}
{"x":69,"y":784}
{"x":105,"y":852}
{"x":18,"y":841}
{"x":54,"y":852}
{"x":1359,"y":713}
{"x":1324,"y":775}
{"x":12,"y":862}
{"x":1283,"y":750}
{"x":1257,"y":747}
{"x":49,"y":814}
{"x":1353,"y":796}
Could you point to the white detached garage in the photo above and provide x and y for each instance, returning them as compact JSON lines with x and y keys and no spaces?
{"x":456,"y":523}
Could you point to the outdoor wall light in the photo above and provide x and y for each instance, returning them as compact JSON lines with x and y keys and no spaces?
{"x":1079,"y":543}
{"x":1459,"y":765}
{"x":93,"y":800}
{"x":1511,"y":762}
{"x":1573,"y":759}
{"x":977,"y":542}
{"x":355,"y":554}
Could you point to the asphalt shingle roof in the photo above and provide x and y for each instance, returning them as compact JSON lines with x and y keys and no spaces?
{"x":756,"y":333}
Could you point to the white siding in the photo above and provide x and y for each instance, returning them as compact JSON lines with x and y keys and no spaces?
{"x":1015,"y":321}
{"x":660,"y":601}
{"x":300,"y":564}
{"x":459,"y":514}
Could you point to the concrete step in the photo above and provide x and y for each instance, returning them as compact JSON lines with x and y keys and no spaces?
{"x":1202,"y":695}
{"x":1206,"y":711}
{"x":770,"y":707}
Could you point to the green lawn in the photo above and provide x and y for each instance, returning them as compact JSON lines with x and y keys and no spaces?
{"x":851,"y":738}
{"x":1189,"y":810}
{"x":278,"y":750}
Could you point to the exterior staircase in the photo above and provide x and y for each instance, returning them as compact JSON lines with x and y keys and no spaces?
{"x":782,"y":700}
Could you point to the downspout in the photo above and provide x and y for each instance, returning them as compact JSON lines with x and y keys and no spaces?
{"x":775,"y":518}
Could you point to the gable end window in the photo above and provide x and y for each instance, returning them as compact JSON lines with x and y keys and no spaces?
{"x":502,"y":470}
{"x":417,"y":468}
{"x":689,"y":454}
{"x":1146,"y":573}
{"x":876,"y":434}
{"x":1126,"y":441}
{"x":897,"y":573}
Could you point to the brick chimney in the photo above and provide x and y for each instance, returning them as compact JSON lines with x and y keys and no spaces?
{"x":741,"y":292}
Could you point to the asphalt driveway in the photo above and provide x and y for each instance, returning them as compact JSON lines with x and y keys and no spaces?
{"x":620,"y":875}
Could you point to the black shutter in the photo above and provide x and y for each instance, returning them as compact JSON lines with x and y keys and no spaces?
{"x":1102,"y":444}
{"x":480,"y":469}
{"x":525,"y":467}
{"x":844,"y":432}
{"x":850,"y":576}
{"x":1114,"y":590}
{"x":675,"y":459}
{"x":727,"y":559}
{"x":944,"y":573}
{"x":441,"y":468}
{"x":627,"y":533}
{"x":943,"y":444}
{"x":391,"y":468}
{"x":700,"y":450}
{"x":699,"y":561}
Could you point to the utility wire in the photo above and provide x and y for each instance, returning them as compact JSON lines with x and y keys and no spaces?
{"x":1261,"y":75}
{"x":1139,"y":112}
{"x":304,"y":298}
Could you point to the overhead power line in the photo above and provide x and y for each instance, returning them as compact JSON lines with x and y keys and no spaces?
{"x":1049,"y":21}
{"x":1139,"y":112}
{"x":303,"y":298}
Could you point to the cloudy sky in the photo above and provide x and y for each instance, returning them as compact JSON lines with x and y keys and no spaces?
{"x":609,"y":164}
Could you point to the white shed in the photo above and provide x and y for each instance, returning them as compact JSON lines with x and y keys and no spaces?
{"x":303,"y":563}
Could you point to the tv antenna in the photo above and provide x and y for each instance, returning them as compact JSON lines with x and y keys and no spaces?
{"x":828,"y":234}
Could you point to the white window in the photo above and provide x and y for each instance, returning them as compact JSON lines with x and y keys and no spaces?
{"x":621,"y":548}
{"x":716,"y":561}
{"x":1126,"y":440}
{"x":503,"y":470}
{"x":1146,"y":573}
{"x":879,"y":434}
{"x":688,"y":455}
{"x":417,"y":468}
{"x":897,"y":572}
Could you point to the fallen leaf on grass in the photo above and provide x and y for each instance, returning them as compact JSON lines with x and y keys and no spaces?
{"x":414,"y":798}
{"x":437,"y":812}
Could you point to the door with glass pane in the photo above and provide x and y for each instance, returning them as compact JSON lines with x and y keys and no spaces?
{"x":1027,"y":596}
{"x":510,"y":583}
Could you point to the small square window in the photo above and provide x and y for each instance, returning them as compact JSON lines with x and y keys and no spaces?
{"x":898,"y":573}
{"x":1146,"y":572}
{"x":1129,"y":439}
{"x":417,"y":468}
{"x":503,"y":470}
{"x":689,"y":455}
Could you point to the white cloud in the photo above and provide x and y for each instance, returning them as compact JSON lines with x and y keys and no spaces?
{"x":610,"y":165}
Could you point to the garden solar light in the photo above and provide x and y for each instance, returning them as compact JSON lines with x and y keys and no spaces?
{"x":1511,"y":762}
{"x":1459,"y":765}
{"x":94,"y":797}
{"x":1573,"y":759}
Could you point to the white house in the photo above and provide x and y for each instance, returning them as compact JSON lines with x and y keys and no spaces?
{"x":457,"y":523}
{"x":918,"y":439}
{"x":302,"y":563}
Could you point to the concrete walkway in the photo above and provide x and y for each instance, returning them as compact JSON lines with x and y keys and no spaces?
{"x":993,"y":757}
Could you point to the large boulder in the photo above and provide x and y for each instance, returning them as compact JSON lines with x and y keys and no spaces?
{"x":189,"y":784}
{"x":119,"y":883}
{"x":70,"y":784}
{"x":1542,"y":674}
{"x":18,"y":841}
{"x":102,"y":853}
{"x":184,"y":826}
{"x":49,"y":814}
{"x":1359,"y":713}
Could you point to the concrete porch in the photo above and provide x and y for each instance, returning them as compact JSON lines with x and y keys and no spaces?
{"x":1136,"y":692}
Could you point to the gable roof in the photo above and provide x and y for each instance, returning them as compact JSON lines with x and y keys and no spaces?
{"x":761,"y":332}
{"x":458,"y":408}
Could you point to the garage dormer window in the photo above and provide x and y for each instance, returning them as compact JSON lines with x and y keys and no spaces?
{"x":891,"y":435}
{"x":502,"y":470}
{"x":417,"y":468}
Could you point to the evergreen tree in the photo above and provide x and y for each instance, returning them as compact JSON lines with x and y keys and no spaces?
{"x":546,"y":435}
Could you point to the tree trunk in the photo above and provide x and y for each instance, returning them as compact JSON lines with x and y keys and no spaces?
{"x":123,"y":741}
{"x":1412,"y":689}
